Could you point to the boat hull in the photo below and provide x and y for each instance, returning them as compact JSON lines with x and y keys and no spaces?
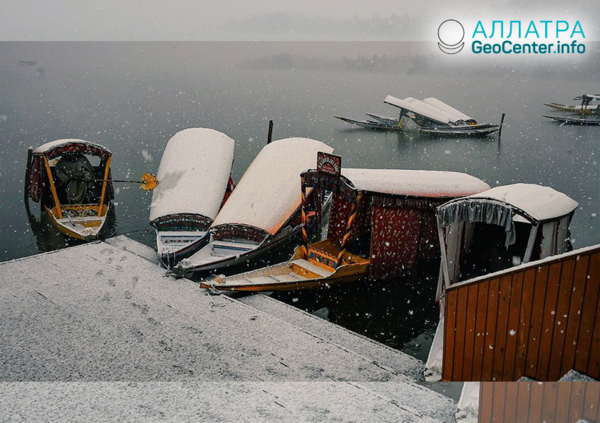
{"x":574,"y":121}
{"x":82,"y":228}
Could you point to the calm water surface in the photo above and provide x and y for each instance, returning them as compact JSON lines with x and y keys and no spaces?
{"x":132,"y":97}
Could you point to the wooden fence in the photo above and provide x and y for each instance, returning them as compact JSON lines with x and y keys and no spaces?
{"x":539,"y":321}
{"x":535,"y":402}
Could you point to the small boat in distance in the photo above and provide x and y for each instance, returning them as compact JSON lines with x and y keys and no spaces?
{"x":194,"y":182}
{"x":430,"y":116}
{"x":70,"y":178}
{"x":261,"y":215}
{"x":381,"y":226}
{"x":585,"y":108}
{"x":587,"y":121}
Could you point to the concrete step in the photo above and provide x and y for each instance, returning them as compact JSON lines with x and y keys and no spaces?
{"x":380,"y":354}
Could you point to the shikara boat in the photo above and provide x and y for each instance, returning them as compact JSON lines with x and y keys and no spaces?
{"x":585,"y":108}
{"x":70,"y":178}
{"x":430,"y":116}
{"x":381,"y":225}
{"x":494,"y":231}
{"x":586,"y":121}
{"x":194,"y":181}
{"x":502,"y":227}
{"x":261,"y":215}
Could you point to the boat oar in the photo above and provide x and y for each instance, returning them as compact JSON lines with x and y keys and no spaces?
{"x":148,"y":182}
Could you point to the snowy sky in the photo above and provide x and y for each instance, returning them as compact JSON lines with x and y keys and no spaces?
{"x":243,"y":20}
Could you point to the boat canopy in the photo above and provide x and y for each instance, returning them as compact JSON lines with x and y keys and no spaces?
{"x":270,"y":190}
{"x":415,"y":108}
{"x":56,"y":148}
{"x":443,"y":106}
{"x":193,"y":174}
{"x":415,"y":183}
{"x":498,"y":205}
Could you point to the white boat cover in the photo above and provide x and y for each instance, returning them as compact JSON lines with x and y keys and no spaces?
{"x":393,"y":101}
{"x":451,"y":117}
{"x":270,"y":190}
{"x":53,"y":144}
{"x":193,"y":174}
{"x":541,"y":203}
{"x":418,"y":183}
{"x":449,"y":109}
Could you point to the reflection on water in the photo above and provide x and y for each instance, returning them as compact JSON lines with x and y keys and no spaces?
{"x":400,"y":313}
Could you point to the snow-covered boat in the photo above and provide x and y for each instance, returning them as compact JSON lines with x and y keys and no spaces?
{"x":194,"y":181}
{"x":262,"y":214}
{"x":493,"y":231}
{"x":70,"y":178}
{"x":430,"y":116}
{"x":381,"y":226}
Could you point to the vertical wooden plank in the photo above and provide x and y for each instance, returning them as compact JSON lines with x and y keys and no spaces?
{"x":490,"y":330}
{"x":470,"y":332}
{"x":576,"y":401}
{"x":513,"y":328}
{"x":524,"y":323}
{"x":499,"y":400}
{"x":459,"y":343}
{"x":523,"y":399}
{"x":479,"y":344}
{"x":575,"y":310}
{"x":510,"y":401}
{"x":563,"y":401}
{"x":504,"y":296}
{"x":561,"y":318}
{"x":591,"y":401}
{"x":549,"y":402}
{"x":548,"y":321}
{"x":588,"y":315}
{"x":535,"y":326}
{"x":449,"y":335}
{"x":536,"y":402}
{"x":486,"y":395}
{"x":593,"y":370}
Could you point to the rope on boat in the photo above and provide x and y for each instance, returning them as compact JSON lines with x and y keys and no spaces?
{"x":351,"y":219}
{"x":304,"y":223}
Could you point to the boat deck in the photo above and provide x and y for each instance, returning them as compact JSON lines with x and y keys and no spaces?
{"x":134,"y":343}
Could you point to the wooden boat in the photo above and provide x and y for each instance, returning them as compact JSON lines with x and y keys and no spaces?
{"x":585,"y":108}
{"x":430,"y":116}
{"x":381,"y":225}
{"x":494,"y":231}
{"x":194,"y":176}
{"x":261,"y":215}
{"x":434,"y":117}
{"x":574,"y":120}
{"x":70,"y":178}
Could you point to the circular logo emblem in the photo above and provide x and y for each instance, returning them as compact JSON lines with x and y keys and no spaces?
{"x":451,"y":34}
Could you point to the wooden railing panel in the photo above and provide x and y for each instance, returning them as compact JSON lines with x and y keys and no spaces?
{"x":538,"y":402}
{"x":537,"y":321}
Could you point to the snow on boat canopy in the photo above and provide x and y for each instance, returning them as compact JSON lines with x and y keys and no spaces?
{"x":502,"y":227}
{"x":430,"y":116}
{"x":194,"y":179}
{"x":262,"y":213}
{"x":75,"y":193}
{"x":381,"y":225}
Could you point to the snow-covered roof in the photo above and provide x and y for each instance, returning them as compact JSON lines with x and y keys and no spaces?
{"x":270,"y":190}
{"x":61,"y":143}
{"x":403,"y":104}
{"x":193,"y":173}
{"x":418,"y":183}
{"x":541,"y":203}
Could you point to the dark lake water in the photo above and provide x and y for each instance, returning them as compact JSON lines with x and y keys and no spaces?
{"x":132,"y":97}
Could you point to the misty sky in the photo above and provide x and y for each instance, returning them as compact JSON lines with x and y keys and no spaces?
{"x":243,"y":20}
